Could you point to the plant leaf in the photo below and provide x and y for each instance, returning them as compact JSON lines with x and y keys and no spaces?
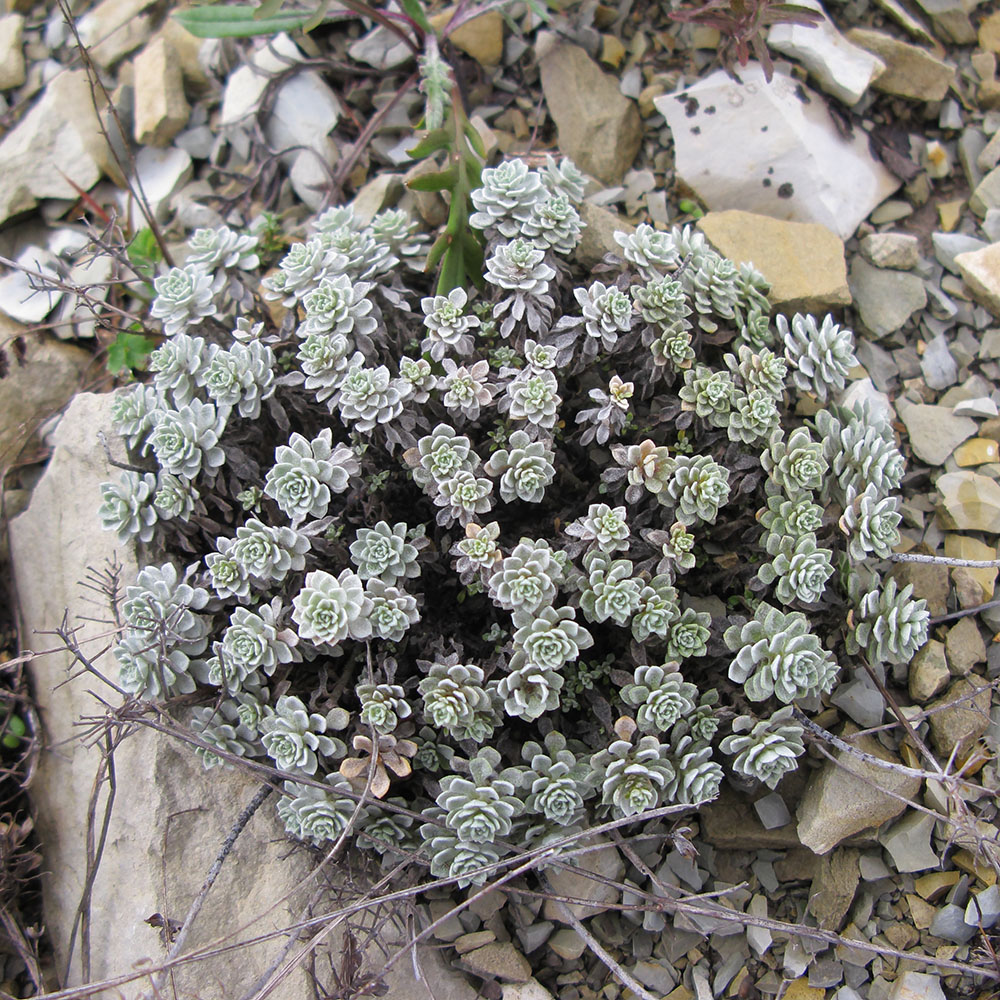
{"x":237,"y":21}
{"x":442,"y":180}
{"x":129,"y":351}
{"x":414,"y":10}
{"x":435,"y":140}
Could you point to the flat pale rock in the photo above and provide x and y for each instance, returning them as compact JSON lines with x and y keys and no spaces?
{"x":481,"y":37}
{"x":804,"y":262}
{"x":951,"y":20}
{"x":500,"y":960}
{"x":161,"y":109}
{"x":574,"y":881}
{"x":980,"y":270}
{"x":969,"y":502}
{"x":964,"y":646}
{"x":934,"y":431}
{"x":597,"y":238}
{"x":965,"y":547}
{"x":986,"y":196}
{"x":599,"y":129}
{"x":113,"y":28}
{"x":11,"y":51}
{"x":899,"y":251}
{"x":928,"y":672}
{"x":908,"y":843}
{"x":851,"y":795}
{"x":833,"y":887}
{"x":989,"y":33}
{"x":56,"y":142}
{"x":917,"y":986}
{"x":885,"y":299}
{"x":170,"y":816}
{"x":842,"y":69}
{"x":960,"y":716}
{"x":910,"y":71}
{"x":772,"y":149}
{"x":38,"y":383}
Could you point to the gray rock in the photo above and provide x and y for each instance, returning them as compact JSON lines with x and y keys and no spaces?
{"x":984,"y":907}
{"x":891,"y":210}
{"x":951,"y":20}
{"x":860,"y":701}
{"x":878,"y":362}
{"x":964,"y":646}
{"x":840,"y":68}
{"x":987,"y":193}
{"x":863,"y":392}
{"x":991,"y":225}
{"x":833,"y":887}
{"x":500,"y":960}
{"x":929,"y":673}
{"x":534,"y":935}
{"x":113,"y":28}
{"x":575,"y":882}
{"x":938,"y":365}
{"x":836,"y":804}
{"x":960,"y":716}
{"x":980,"y":406}
{"x":599,"y":128}
{"x":381,"y":48}
{"x":872,"y":867}
{"x":899,"y":251}
{"x":908,"y":843}
{"x":949,"y":923}
{"x":980,"y":271}
{"x":970,"y":144}
{"x":57,"y":142}
{"x":989,"y":157}
{"x":656,"y":976}
{"x":934,"y":431}
{"x":885,"y":299}
{"x":947,"y":246}
{"x":916,"y":986}
{"x":772,"y":811}
{"x":969,"y":502}
{"x":531,"y":990}
{"x":169,"y":816}
{"x":762,"y":148}
{"x":759,"y":938}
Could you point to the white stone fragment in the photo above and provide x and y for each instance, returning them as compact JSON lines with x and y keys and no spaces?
{"x":981,"y":406}
{"x":21,"y":294}
{"x":759,"y":938}
{"x":917,"y":986}
{"x":11,"y":51}
{"x":984,"y":908}
{"x":840,"y":67}
{"x":772,"y":149}
{"x":161,"y":173}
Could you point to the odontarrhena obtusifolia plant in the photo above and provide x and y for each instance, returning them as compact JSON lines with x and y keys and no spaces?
{"x":529,"y":551}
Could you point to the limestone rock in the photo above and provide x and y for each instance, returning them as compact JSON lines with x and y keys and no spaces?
{"x":162,"y":172}
{"x":908,"y":843}
{"x":500,"y":960}
{"x":951,"y":20}
{"x":885,"y":299}
{"x":833,"y":887}
{"x":980,"y":270}
{"x":909,"y":70}
{"x":804,"y":262}
{"x":11,"y":51}
{"x":964,"y":646}
{"x":574,"y":881}
{"x":917,"y":986}
{"x":730,"y":822}
{"x":161,"y":110}
{"x":763,"y":148}
{"x":481,"y":37}
{"x":840,"y":68}
{"x":851,"y":795}
{"x":531,"y":990}
{"x":989,"y":33}
{"x":113,"y":28}
{"x":969,"y":502}
{"x":929,"y":580}
{"x":934,"y":431}
{"x":987,"y":193}
{"x":57,"y":141}
{"x":567,"y":944}
{"x":170,"y":815}
{"x":599,"y":129}
{"x":965,"y":547}
{"x":929,"y":671}
{"x":977,"y":451}
{"x":42,"y":374}
{"x":960,"y":716}
{"x":597,"y":239}
{"x":899,"y":251}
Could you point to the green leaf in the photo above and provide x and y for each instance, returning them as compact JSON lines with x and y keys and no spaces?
{"x":236,"y":21}
{"x":129,"y":352}
{"x":15,"y":729}
{"x":414,"y":10}
{"x":434,"y":254}
{"x":442,"y":180}
{"x":267,"y":9}
{"x":452,"y":269}
{"x":435,"y":140}
{"x":475,"y":139}
{"x":144,"y":253}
